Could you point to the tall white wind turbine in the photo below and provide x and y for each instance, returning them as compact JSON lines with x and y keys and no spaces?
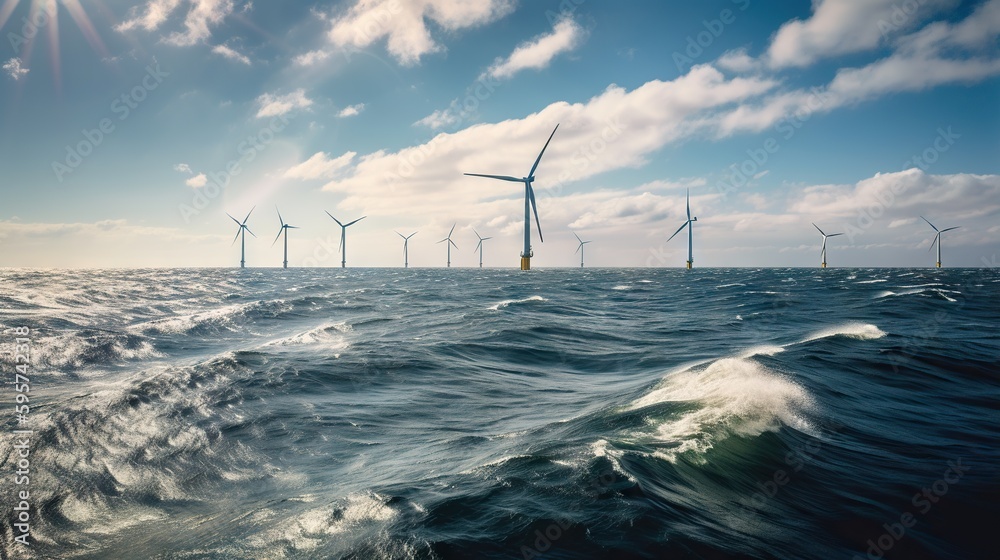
{"x":343,"y":237}
{"x":284,"y":229}
{"x":529,"y":203}
{"x":449,"y":243}
{"x":825,"y":236}
{"x":937,"y":239}
{"x":480,"y":246}
{"x":406,"y":250}
{"x":580,"y":248}
{"x":241,"y":233}
{"x":690,"y":225}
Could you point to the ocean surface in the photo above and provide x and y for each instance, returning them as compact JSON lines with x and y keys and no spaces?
{"x":464,"y":413}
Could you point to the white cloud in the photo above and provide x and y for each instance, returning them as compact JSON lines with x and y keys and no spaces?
{"x":272,"y":105}
{"x":201,"y":17}
{"x":440,"y":118}
{"x":231,"y":54}
{"x":539,"y":52}
{"x":311,"y":57}
{"x":351,"y":110}
{"x":198,"y":181}
{"x":14,"y":69}
{"x":320,"y":166}
{"x":737,"y":61}
{"x":839,"y":27}
{"x":183,"y":168}
{"x":403,"y":25}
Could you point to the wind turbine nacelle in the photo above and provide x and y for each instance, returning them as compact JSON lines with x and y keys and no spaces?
{"x":694,"y":219}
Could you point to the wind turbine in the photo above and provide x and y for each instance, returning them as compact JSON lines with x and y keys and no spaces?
{"x":529,"y":203}
{"x":480,"y":246}
{"x":242,"y":234}
{"x":690,"y":225}
{"x":284,"y":229}
{"x":580,"y":248}
{"x":937,"y":239}
{"x":343,"y":237}
{"x":406,"y":252}
{"x":449,"y":243}
{"x":825,"y":236}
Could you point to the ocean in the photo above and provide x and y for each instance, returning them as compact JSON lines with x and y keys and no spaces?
{"x":466,"y":413}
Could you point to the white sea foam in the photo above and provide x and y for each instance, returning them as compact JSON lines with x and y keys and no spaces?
{"x":862,"y":331}
{"x":761,"y":350}
{"x":917,"y":290}
{"x":622,"y":287}
{"x":875,"y":281}
{"x":508,"y":302}
{"x":328,"y":335}
{"x":734,"y":396}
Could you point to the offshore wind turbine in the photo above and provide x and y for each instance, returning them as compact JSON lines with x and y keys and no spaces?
{"x":480,"y":246}
{"x":343,"y":237}
{"x":529,"y":203}
{"x":580,"y":248}
{"x":284,"y":229}
{"x":406,"y":252}
{"x":825,"y":236}
{"x":690,"y":225}
{"x":242,"y":234}
{"x":449,"y":243}
{"x":937,"y":239}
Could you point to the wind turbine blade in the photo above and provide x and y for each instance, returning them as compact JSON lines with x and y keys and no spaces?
{"x":928,"y":223}
{"x":531,"y":196}
{"x":949,"y":229}
{"x":237,"y":236}
{"x":453,"y":244}
{"x":248,"y":214}
{"x":412,"y":234}
{"x":485,"y":238}
{"x":834,"y":234}
{"x":937,"y":239}
{"x":477,"y":234}
{"x":501,"y":177}
{"x":279,"y":235}
{"x":279,"y":216}
{"x":291,"y":227}
{"x":234,"y":219}
{"x":248,"y":231}
{"x":334,"y":219}
{"x":478,"y":246}
{"x":452,"y":230}
{"x":678,"y":231}
{"x":577,"y":237}
{"x":819,"y":230}
{"x":355,"y":221}
{"x":578,"y":247}
{"x":533,"y":167}
{"x":442,"y":241}
{"x":400,"y":234}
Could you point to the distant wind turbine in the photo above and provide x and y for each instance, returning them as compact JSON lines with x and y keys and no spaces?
{"x":937,"y":239}
{"x":529,"y":203}
{"x":825,"y":236}
{"x":284,"y":229}
{"x":241,"y":233}
{"x":480,"y":246}
{"x":580,"y":248}
{"x":343,"y":237}
{"x":690,"y":225}
{"x":406,"y":252}
{"x":449,"y":243}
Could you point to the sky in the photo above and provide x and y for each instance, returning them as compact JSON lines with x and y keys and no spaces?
{"x":128,"y":131}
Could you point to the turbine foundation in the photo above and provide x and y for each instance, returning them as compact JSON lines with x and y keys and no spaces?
{"x":689,"y":263}
{"x":822,"y":265}
{"x":525,"y":263}
{"x":939,"y":264}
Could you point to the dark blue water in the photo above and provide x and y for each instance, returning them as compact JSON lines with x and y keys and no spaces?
{"x":639,"y":413}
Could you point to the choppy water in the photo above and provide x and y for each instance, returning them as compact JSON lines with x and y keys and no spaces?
{"x":414,"y":413}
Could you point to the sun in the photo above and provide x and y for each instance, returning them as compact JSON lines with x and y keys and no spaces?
{"x":43,"y":18}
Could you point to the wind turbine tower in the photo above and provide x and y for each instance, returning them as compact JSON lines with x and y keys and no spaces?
{"x":529,"y":203}
{"x":406,"y":244}
{"x":284,"y":229}
{"x":937,"y":238}
{"x":449,"y":243}
{"x":580,"y":248}
{"x":480,"y":246}
{"x":825,"y":236}
{"x":343,"y":237}
{"x":241,"y":233}
{"x":690,"y":225}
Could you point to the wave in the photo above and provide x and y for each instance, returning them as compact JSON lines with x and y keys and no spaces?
{"x":861,"y":331}
{"x":731,"y":396}
{"x":916,"y":290}
{"x":875,"y":281}
{"x":92,"y":348}
{"x":507,"y":302}
{"x":227,"y":318}
{"x":328,"y":335}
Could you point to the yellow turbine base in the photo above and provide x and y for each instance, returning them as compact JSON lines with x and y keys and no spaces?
{"x":689,"y":265}
{"x":939,"y":264}
{"x":525,"y":263}
{"x":823,"y":265}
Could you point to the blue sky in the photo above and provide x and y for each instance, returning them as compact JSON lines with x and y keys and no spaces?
{"x":858,"y":116}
